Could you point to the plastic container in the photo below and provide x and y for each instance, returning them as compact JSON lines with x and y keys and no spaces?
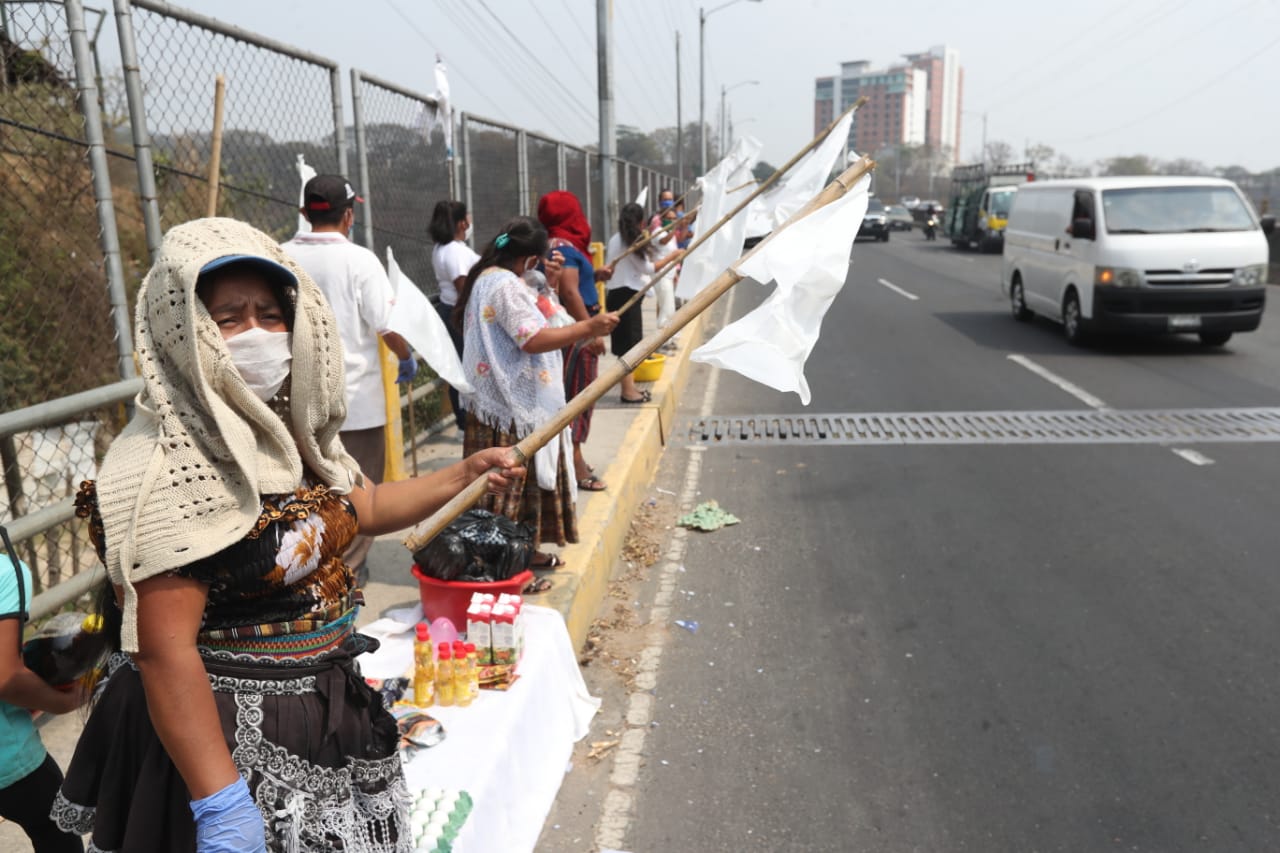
{"x":452,"y":598}
{"x":650,"y":370}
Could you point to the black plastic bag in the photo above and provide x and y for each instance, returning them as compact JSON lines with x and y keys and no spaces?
{"x":478,"y":546}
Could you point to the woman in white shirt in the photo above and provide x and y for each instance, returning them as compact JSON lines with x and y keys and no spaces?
{"x":630,"y":275}
{"x":451,"y":260}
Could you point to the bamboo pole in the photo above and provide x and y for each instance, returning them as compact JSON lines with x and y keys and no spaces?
{"x":762,"y":188}
{"x":215,"y":153}
{"x":427,"y":530}
{"x":413,"y":431}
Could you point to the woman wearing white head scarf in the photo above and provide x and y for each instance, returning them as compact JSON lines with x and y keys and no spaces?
{"x":233,"y":717}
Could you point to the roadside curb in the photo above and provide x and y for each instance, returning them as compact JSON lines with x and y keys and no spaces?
{"x":581,"y":585}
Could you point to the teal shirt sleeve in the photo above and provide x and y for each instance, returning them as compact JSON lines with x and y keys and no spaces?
{"x":21,"y":751}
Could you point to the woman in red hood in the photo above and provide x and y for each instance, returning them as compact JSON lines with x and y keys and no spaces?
{"x":570,"y":233}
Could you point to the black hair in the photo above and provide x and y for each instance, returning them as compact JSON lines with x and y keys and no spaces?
{"x":520,"y":237}
{"x":445,"y":219}
{"x":630,"y":223}
{"x":286,"y":293}
{"x":326,"y":217}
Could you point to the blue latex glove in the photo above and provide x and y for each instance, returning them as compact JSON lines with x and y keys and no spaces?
{"x":229,"y":822}
{"x":408,"y":369}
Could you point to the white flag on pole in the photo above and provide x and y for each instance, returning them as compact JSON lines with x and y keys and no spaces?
{"x":723,"y":247}
{"x":415,"y":320}
{"x":804,"y":181}
{"x":643,"y":198}
{"x":809,"y":260}
{"x":305,"y":173}
{"x":444,"y":112}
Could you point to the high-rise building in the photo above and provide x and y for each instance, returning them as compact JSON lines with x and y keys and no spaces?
{"x":914,"y":103}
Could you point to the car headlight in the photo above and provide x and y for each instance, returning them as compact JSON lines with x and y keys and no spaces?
{"x":1117,"y":277}
{"x":1253,"y":276}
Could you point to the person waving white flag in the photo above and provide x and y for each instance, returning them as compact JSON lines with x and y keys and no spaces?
{"x":809,"y":260}
{"x":415,"y":320}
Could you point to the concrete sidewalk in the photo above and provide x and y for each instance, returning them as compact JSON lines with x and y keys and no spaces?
{"x":624,"y":447}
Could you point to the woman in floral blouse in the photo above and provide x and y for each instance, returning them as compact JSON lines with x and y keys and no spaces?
{"x":511,"y":353}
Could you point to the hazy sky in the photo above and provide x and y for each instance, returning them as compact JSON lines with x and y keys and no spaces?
{"x":1093,"y":78}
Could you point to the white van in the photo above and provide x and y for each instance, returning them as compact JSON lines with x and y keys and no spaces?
{"x":1151,"y":254}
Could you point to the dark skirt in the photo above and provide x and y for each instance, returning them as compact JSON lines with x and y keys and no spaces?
{"x":630,"y":328}
{"x":580,"y":370}
{"x":550,"y":513}
{"x":314,"y":742}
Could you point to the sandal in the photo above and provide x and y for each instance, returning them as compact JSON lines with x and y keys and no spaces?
{"x":644,"y":397}
{"x":536,"y":586}
{"x":592,"y":483}
{"x":552,"y":561}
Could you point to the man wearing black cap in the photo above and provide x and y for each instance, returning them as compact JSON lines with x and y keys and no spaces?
{"x":357,"y":288}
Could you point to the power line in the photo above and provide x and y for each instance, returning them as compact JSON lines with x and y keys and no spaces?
{"x":587,"y":111}
{"x":1184,"y":96}
{"x":479,"y":90}
{"x":474,"y":31}
{"x":1036,"y":83}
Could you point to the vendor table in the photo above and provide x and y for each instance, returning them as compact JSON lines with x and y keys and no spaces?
{"x":508,"y":749}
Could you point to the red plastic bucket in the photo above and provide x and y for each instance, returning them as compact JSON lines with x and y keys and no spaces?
{"x":451,"y":598}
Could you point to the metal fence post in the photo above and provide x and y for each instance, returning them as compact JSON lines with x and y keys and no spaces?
{"x":362,"y":163}
{"x":561,"y":182}
{"x":522,"y":170}
{"x":102,"y":195}
{"x":339,"y":129}
{"x":466,"y":165}
{"x":147,"y":192}
{"x":586,"y":182}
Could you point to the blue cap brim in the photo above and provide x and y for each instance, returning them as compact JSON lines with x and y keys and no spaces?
{"x":273,"y":270}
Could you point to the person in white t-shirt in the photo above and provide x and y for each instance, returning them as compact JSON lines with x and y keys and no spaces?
{"x":630,"y":275}
{"x":451,"y":260}
{"x":356,"y":285}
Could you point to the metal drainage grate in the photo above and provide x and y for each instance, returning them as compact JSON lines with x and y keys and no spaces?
{"x":1107,"y":426}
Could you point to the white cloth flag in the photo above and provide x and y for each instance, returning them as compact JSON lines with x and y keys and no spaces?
{"x":414,"y":319}
{"x":723,"y":247}
{"x":809,"y":260}
{"x":643,"y":198}
{"x":305,"y":173}
{"x":444,"y":112}
{"x":804,"y":181}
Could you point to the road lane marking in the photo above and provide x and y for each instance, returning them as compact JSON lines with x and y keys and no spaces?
{"x":898,"y":290}
{"x":1192,"y":456}
{"x":619,"y":808}
{"x":1066,"y":385}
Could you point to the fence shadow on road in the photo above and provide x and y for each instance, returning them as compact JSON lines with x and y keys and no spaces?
{"x":999,"y":331}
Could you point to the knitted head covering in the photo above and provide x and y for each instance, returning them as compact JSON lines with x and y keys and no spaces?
{"x":561,"y":214}
{"x":186,"y":476}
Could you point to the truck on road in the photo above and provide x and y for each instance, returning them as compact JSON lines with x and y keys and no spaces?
{"x":981,"y":197}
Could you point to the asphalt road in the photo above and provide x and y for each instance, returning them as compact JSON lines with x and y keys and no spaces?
{"x":960,"y":648}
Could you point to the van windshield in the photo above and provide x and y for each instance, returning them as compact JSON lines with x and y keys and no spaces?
{"x":1001,"y":201}
{"x":1174,"y":210}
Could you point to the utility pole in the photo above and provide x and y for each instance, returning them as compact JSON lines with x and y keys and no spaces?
{"x":702,"y":89}
{"x":679,"y":118}
{"x":608,"y":133}
{"x":723,"y":92}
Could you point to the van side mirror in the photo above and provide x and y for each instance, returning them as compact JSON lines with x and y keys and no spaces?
{"x":1268,"y":224}
{"x":1082,"y":229}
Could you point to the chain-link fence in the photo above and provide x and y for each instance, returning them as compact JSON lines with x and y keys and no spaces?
{"x":51,"y":253}
{"x":403,"y":172}
{"x":280,"y":103}
{"x":493,"y":174}
{"x":85,"y":193}
{"x":58,"y":251}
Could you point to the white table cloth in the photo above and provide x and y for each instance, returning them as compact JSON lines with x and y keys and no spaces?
{"x":510,"y":749}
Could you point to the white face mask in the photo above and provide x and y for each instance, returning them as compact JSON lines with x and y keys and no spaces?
{"x":263,"y":359}
{"x":470,"y":230}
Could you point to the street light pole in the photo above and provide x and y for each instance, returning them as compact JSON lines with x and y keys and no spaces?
{"x":724,"y":124}
{"x":679,"y":120}
{"x":702,"y":78}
